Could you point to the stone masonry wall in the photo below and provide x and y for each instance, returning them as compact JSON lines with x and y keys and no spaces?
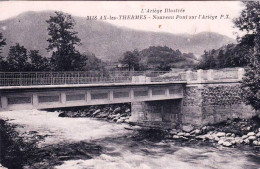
{"x":161,"y":112}
{"x":212,"y":103}
{"x":192,"y":105}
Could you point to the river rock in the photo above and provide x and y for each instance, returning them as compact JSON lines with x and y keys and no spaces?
{"x":136,"y":127}
{"x":251,"y":138}
{"x":228,"y":134}
{"x":220,"y":142}
{"x":117,"y":110}
{"x":123,"y":118}
{"x":120,"y":120}
{"x":201,"y":137}
{"x":255,"y":143}
{"x":96,"y":112}
{"x":184,"y":138}
{"x":187,"y":134}
{"x":127,"y":120}
{"x":127,"y":110}
{"x":216,"y":138}
{"x":233,"y":141}
{"x":204,"y":129}
{"x":196,"y":132}
{"x":173,"y":132}
{"x":238,"y":140}
{"x":176,"y":137}
{"x":188,"y":128}
{"x":220,"y":134}
{"x":246,"y":141}
{"x":251,"y":134}
{"x":258,"y":134}
{"x":181,"y":134}
{"x":226,"y":144}
{"x":244,"y":137}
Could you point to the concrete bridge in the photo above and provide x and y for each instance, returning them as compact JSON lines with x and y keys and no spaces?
{"x":191,"y":98}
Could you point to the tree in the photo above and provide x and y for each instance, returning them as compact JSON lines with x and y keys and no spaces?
{"x":208,"y":61}
{"x":63,"y":42}
{"x":17,"y":58}
{"x":131,"y":59}
{"x":249,"y":21}
{"x":2,"y":44}
{"x":38,"y":63}
{"x":163,"y":67}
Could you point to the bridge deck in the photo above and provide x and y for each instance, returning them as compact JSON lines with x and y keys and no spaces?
{"x":90,"y":85}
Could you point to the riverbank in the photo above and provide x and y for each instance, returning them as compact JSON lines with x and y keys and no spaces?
{"x":230,"y":133}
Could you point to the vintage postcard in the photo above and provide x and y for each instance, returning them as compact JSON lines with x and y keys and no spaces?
{"x":130,"y":84}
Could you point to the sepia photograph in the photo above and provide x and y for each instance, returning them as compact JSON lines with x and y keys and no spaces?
{"x":129,"y":85}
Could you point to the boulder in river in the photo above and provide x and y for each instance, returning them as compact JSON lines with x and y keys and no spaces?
{"x":220,"y":142}
{"x":176,"y":137}
{"x":221,"y":134}
{"x":252,"y":138}
{"x":251,"y":134}
{"x":96,"y":112}
{"x":117,"y":110}
{"x":188,"y":128}
{"x":244,"y":137}
{"x":227,"y":144}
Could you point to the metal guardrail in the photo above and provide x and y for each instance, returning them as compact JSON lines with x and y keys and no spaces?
{"x":88,"y":77}
{"x":97,"y":77}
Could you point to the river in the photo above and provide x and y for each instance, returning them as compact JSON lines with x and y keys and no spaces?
{"x":127,"y":149}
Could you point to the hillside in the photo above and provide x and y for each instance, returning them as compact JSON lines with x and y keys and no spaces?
{"x":105,"y":40}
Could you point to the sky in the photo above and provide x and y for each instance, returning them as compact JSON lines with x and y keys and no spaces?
{"x":176,"y":26}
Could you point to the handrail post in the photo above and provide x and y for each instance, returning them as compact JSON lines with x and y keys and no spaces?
{"x":36,"y":78}
{"x":51,"y":79}
{"x":199,"y":72}
{"x":188,"y":75}
{"x":20,"y":79}
{"x":78,"y":77}
{"x":241,"y":72}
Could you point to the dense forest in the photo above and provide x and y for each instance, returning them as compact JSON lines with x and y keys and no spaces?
{"x":231,"y":55}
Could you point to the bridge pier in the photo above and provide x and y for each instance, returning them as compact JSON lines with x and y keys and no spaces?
{"x":35,"y":101}
{"x":4,"y":102}
{"x":159,"y":113}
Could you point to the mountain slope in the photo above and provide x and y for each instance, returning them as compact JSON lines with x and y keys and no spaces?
{"x":105,"y":40}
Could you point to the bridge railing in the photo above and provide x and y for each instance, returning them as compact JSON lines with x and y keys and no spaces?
{"x":97,"y":77}
{"x":87,"y":77}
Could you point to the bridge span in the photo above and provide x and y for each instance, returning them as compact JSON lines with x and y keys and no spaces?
{"x":187,"y":98}
{"x":41,"y":97}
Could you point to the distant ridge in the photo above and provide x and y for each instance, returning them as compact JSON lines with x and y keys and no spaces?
{"x":105,"y":40}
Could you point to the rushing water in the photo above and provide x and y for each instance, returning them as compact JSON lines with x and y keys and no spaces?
{"x":123,"y":148}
